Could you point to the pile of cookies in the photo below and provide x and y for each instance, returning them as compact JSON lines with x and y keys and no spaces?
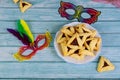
{"x":78,"y":41}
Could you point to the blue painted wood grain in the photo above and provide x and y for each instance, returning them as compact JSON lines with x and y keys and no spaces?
{"x":54,"y":26}
{"x":108,"y":14}
{"x":46,"y":63}
{"x":54,"y":3}
{"x":54,"y":70}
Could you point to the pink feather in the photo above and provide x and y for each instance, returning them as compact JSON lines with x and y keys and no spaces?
{"x":113,"y":2}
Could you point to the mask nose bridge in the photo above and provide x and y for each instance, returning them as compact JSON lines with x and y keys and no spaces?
{"x":33,"y":45}
{"x":78,"y":11}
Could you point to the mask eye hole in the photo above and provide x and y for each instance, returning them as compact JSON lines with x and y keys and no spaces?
{"x":41,"y":42}
{"x":27,"y":52}
{"x":85,"y":15}
{"x":70,"y":11}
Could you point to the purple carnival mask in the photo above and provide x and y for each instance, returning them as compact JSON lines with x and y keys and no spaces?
{"x":78,"y":11}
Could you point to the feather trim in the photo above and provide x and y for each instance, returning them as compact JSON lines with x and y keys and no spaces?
{"x":23,"y":28}
{"x":24,"y":39}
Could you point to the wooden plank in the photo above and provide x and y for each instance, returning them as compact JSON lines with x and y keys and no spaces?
{"x":56,"y":70}
{"x":54,"y":3}
{"x":49,"y":54}
{"x":36,"y":27}
{"x":59,"y":78}
{"x":41,"y":14}
{"x":53,"y":27}
{"x":10,"y":40}
{"x":46,"y":63}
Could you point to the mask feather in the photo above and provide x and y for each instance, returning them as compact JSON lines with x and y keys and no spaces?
{"x":23,"y":28}
{"x":24,"y":39}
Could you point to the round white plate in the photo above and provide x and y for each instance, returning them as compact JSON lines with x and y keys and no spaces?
{"x":70,"y":59}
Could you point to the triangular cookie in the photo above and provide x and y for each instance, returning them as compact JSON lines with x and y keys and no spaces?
{"x":77,"y":55}
{"x":92,"y":44}
{"x":67,"y":30}
{"x":85,"y":29}
{"x":94,"y":32}
{"x":61,"y":38}
{"x":74,"y":40}
{"x":84,"y":36}
{"x":86,"y":52}
{"x":78,"y":29}
{"x":72,"y":30}
{"x":98,"y":44}
{"x":15,"y":1}
{"x":104,"y":65}
{"x":24,"y":6}
{"x":66,"y":50}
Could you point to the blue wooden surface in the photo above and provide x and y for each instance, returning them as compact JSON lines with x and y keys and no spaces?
{"x":46,"y":64}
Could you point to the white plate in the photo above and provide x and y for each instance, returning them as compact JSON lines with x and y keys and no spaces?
{"x":70,"y":59}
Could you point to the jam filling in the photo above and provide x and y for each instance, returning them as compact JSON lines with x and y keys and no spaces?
{"x":24,"y":4}
{"x":75,"y":42}
{"x":68,"y":48}
{"x":105,"y":64}
{"x":76,"y":52}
